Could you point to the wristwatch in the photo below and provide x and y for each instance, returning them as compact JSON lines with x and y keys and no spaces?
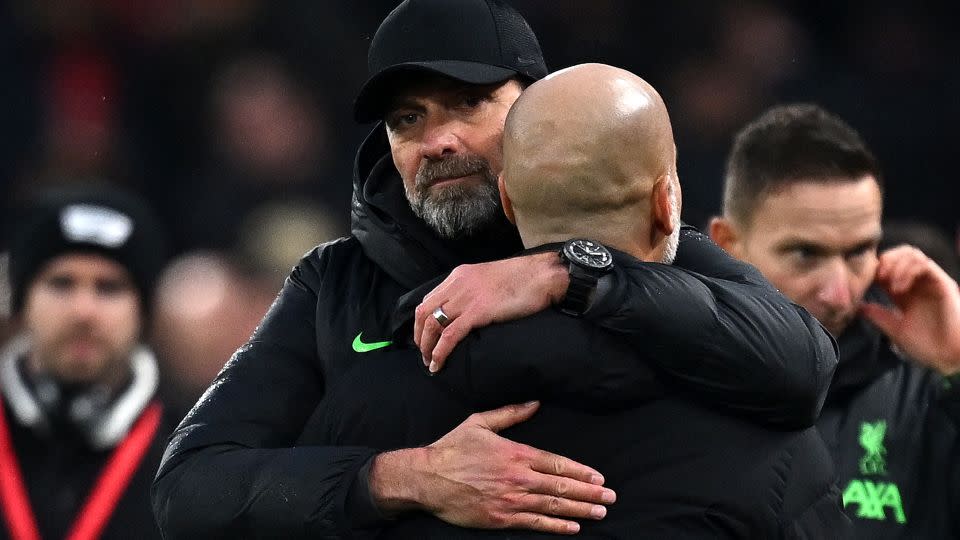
{"x":587,"y":260}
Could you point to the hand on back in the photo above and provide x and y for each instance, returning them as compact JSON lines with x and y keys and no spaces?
{"x":472,"y":477}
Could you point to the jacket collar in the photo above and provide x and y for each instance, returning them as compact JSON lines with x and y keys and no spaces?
{"x":865,"y":354}
{"x":106,"y":428}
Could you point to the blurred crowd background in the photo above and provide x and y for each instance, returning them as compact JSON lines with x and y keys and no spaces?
{"x":234,"y":119}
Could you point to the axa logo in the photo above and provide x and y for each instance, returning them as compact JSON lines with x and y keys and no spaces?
{"x":873,"y":498}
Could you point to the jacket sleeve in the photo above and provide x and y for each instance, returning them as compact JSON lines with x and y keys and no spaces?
{"x":715,"y":326}
{"x":727,"y":338}
{"x":231,"y":469}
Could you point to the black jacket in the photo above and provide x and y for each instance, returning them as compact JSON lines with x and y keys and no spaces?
{"x":680,"y":469}
{"x":60,"y":462}
{"x":892,"y":428}
{"x":231,"y":466}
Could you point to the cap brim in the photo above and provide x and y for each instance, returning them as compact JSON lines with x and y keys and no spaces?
{"x":375,"y":95}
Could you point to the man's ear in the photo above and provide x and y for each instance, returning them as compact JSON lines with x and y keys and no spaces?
{"x":727,"y":235}
{"x":505,"y":200}
{"x":663,"y":209}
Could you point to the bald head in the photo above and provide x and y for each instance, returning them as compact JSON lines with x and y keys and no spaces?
{"x":586,"y":152}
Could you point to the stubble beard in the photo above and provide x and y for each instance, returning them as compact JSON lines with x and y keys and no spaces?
{"x":55,"y":359}
{"x":461,"y":209}
{"x":673,"y":241}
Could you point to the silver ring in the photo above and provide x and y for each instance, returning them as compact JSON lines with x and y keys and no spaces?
{"x":441,"y":317}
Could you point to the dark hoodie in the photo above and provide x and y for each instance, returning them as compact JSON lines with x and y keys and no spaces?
{"x":892,"y":428}
{"x":232,"y":468}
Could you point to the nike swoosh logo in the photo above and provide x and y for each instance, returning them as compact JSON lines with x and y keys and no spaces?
{"x":525,"y":61}
{"x":360,"y":346}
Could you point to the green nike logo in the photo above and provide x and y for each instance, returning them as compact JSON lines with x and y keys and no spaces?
{"x":360,"y":346}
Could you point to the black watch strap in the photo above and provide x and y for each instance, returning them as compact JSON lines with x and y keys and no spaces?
{"x":577,"y":299}
{"x":587,"y":260}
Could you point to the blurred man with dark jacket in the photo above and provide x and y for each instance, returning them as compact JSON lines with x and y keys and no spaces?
{"x":81,"y":427}
{"x":803,"y":203}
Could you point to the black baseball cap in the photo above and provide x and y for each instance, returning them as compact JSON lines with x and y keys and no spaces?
{"x":473,"y":41}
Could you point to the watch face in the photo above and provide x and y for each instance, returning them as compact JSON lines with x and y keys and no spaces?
{"x":588,"y":254}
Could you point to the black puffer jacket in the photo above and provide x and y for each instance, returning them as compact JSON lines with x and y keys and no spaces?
{"x":892,"y":428}
{"x":231,"y":469}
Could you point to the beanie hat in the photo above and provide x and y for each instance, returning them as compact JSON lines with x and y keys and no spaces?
{"x":111,"y":223}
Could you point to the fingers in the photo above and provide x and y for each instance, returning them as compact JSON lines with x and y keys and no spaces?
{"x":887,"y":320}
{"x":429,"y":337}
{"x":547,"y":463}
{"x":587,"y":493}
{"x":542,"y":523}
{"x":423,"y":315}
{"x":551,"y":505}
{"x":900,"y":267}
{"x":905,"y":269}
{"x":448,"y":339}
{"x":418,"y":321}
{"x":450,"y":292}
{"x":504,"y":417}
{"x":430,"y":302}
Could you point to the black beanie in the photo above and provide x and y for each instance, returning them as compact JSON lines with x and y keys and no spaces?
{"x":103,"y":221}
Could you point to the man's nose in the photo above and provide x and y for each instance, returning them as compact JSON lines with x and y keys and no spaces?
{"x":84,"y":304}
{"x":441,"y":138}
{"x":835,"y":289}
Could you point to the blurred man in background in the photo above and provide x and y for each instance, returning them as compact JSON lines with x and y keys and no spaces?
{"x":803,"y":203}
{"x":81,"y":427}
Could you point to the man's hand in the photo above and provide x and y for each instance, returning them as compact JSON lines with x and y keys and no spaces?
{"x":925,"y":322}
{"x":472,"y":477}
{"x":476,"y":295}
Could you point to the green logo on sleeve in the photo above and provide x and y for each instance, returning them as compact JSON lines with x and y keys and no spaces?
{"x":360,"y":346}
{"x":872,"y":498}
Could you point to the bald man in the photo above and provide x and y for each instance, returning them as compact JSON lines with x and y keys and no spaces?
{"x":589,"y":152}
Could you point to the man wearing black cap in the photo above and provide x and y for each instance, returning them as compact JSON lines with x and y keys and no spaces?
{"x":444,"y":75}
{"x":81,"y":428}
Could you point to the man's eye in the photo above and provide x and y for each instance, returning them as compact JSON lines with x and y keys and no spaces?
{"x":801,"y":252}
{"x":804,"y":256}
{"x":400,"y":121}
{"x":111,"y":288}
{"x":60,"y":283}
{"x":472,"y":102}
{"x":859,"y":252}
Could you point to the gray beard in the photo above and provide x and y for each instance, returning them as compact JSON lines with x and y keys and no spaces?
{"x":458,"y":210}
